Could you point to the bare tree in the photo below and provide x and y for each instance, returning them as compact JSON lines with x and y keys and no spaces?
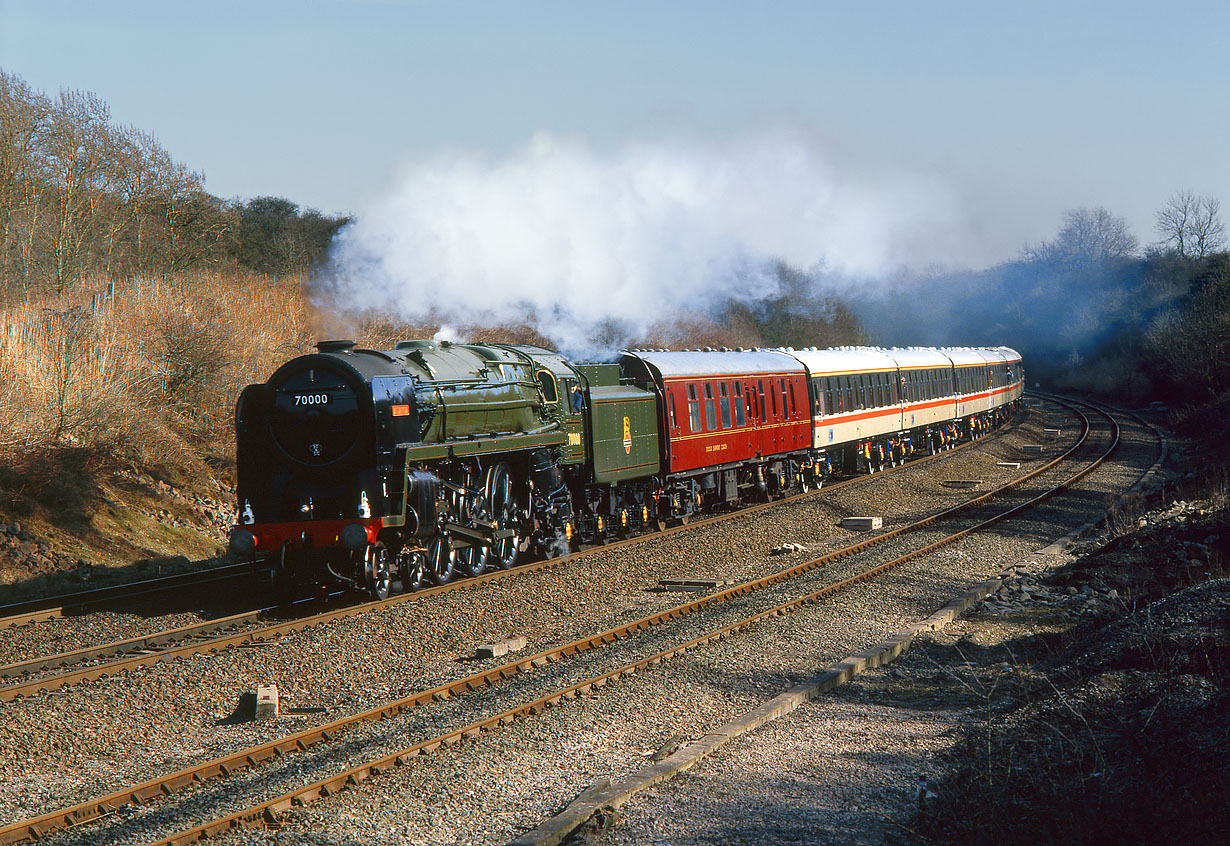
{"x":1087,"y":237}
{"x":78,"y":152}
{"x":1191,"y":224}
{"x":23,"y":129}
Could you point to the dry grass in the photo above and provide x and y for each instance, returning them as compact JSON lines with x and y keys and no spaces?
{"x":145,"y":370}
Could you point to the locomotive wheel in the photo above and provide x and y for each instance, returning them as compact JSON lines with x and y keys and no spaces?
{"x":412,"y":569}
{"x":439,"y":562}
{"x":376,"y":571}
{"x":470,"y":560}
{"x":500,"y":503}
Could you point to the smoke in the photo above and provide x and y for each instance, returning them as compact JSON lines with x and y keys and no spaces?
{"x":585,"y":245}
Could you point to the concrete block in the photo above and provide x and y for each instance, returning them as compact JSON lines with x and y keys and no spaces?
{"x":862,"y":524}
{"x":693,"y":585}
{"x":963,"y":484}
{"x":1011,"y":465}
{"x":266,"y":702}
{"x":496,"y":650}
{"x":1052,"y":433}
{"x":1032,"y":449}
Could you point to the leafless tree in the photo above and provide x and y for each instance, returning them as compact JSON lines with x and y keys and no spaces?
{"x":1087,"y":237}
{"x":23,"y":130}
{"x":1191,"y":224}
{"x":79,"y":148}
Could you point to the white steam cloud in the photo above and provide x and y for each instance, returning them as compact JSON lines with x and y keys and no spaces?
{"x":571,"y":240}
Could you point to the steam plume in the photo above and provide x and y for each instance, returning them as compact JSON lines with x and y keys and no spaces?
{"x":576,"y":242}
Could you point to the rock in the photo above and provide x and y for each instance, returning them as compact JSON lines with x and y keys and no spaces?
{"x":787,"y":549}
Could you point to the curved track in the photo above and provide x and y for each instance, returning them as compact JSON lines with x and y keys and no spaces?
{"x":254,"y":756}
{"x":246,"y":628}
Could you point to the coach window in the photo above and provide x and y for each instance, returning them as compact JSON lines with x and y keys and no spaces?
{"x":763,"y":407}
{"x":724,"y":402}
{"x":710,"y":408}
{"x":794,"y":406}
{"x":881,"y":398}
{"x":740,"y":419}
{"x":782,"y":384}
{"x":670,"y":408}
{"x":693,"y":409}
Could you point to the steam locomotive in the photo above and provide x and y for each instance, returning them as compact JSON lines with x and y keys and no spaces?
{"x":378,"y":469}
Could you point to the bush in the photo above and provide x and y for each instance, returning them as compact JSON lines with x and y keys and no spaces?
{"x":146,"y":371}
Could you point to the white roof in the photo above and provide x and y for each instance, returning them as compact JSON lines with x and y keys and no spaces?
{"x":1000,"y":354}
{"x":718,"y":362}
{"x":845,"y":360}
{"x":962,"y":356}
{"x":911,"y":357}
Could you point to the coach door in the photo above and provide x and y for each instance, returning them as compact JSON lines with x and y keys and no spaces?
{"x":759,"y":395}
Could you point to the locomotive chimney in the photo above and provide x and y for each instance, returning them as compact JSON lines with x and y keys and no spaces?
{"x":335,"y":346}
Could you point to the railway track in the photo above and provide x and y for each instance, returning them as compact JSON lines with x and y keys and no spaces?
{"x":74,"y":604}
{"x":280,"y":749}
{"x":251,"y":627}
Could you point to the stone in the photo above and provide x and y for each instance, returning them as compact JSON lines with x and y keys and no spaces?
{"x":497,"y":650}
{"x":266,"y":702}
{"x":862,"y":524}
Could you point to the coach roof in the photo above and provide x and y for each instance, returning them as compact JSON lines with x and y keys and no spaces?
{"x":702,"y":363}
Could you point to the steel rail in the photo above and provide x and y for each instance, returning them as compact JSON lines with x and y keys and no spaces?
{"x":252,"y":757}
{"x":47,"y":683}
{"x":132,"y":644}
{"x":63,"y":605}
{"x":266,"y":812}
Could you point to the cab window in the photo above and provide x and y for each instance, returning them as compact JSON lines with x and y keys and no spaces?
{"x":547,"y":382}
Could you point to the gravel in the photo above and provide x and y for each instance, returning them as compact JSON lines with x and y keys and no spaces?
{"x":64,"y":748}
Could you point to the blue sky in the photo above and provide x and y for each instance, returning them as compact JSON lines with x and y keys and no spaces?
{"x":1017,"y":111}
